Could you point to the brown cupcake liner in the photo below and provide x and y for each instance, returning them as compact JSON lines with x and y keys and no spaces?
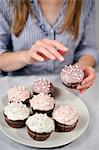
{"x":15,"y":124}
{"x":34,"y":93}
{"x":65,"y":128}
{"x":38,"y":136}
{"x":49,"y":112}
{"x":26,"y":102}
{"x":72,"y":85}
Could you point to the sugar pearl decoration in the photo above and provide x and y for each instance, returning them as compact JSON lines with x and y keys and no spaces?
{"x":44,"y":86}
{"x":72,"y":74}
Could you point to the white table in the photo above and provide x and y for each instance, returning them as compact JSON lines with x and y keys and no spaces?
{"x":88,"y":141}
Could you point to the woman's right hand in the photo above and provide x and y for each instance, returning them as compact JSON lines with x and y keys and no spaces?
{"x":44,"y":50}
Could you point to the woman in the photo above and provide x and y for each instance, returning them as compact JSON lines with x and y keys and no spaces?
{"x":41,"y":36}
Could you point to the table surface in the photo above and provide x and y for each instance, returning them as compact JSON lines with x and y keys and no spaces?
{"x":90,"y":138}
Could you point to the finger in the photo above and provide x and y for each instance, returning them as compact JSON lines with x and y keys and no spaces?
{"x":56,"y":44}
{"x":86,"y":86}
{"x":37,"y":57}
{"x":90,"y":78}
{"x":82,"y":91}
{"x":39,"y":47}
{"x":51,"y":49}
{"x":61,"y":52}
{"x":87,"y":80}
{"x":56,"y":53}
{"x":46,"y":53}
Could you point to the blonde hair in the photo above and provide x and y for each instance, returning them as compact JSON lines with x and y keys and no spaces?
{"x":22,"y":9}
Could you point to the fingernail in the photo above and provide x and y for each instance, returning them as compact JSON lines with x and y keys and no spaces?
{"x":42,"y":59}
{"x":61,"y":58}
{"x":81,"y":91}
{"x":65,"y":49}
{"x":78,"y":87}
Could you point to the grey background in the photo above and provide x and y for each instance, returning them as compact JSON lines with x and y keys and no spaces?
{"x":97,"y":28}
{"x":97,"y":23}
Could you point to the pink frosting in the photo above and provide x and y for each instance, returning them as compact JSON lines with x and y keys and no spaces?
{"x":71,"y":74}
{"x":18,"y":93}
{"x":66,"y":115}
{"x":43,"y":86}
{"x":42,"y":102}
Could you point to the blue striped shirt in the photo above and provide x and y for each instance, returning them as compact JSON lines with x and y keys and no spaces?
{"x":39,"y":28}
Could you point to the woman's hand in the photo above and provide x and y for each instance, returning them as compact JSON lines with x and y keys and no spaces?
{"x":46,"y":49}
{"x":89,"y":79}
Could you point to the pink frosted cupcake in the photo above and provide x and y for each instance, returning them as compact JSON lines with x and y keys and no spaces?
{"x":42,"y":103}
{"x":43,"y":86}
{"x":66,"y":118}
{"x":72,"y":76}
{"x":19,"y":94}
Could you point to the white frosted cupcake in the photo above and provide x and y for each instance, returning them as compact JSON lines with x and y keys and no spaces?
{"x":19,"y":94}
{"x":42,"y":103}
{"x":66,"y":118}
{"x":43,"y":86}
{"x":16,"y":114}
{"x":40,"y":126}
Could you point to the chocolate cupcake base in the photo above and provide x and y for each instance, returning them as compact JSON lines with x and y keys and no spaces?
{"x":38,"y":136}
{"x":15,"y":124}
{"x":26,"y":102}
{"x":49,"y":112}
{"x":72,"y":85}
{"x":65,"y":128}
{"x":51,"y":94}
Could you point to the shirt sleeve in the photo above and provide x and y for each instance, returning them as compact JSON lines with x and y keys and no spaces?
{"x":87,"y":43}
{"x":5,"y":34}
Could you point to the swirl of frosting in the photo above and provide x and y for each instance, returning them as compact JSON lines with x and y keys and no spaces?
{"x":40,"y":123}
{"x":18,"y":94}
{"x":16,"y":111}
{"x":43,"y":86}
{"x":66,"y":115}
{"x":71,"y":74}
{"x":42,"y":102}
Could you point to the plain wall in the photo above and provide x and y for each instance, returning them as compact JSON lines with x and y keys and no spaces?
{"x":97,"y":23}
{"x":97,"y":28}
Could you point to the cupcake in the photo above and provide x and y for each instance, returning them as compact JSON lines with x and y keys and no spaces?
{"x":42,"y":103}
{"x":19,"y":94}
{"x":66,"y":118}
{"x":40,"y":126}
{"x":16,"y":114}
{"x":43,"y":86}
{"x":72,"y":76}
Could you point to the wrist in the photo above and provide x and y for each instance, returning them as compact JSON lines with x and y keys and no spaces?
{"x":25,"y":58}
{"x":87,"y":61}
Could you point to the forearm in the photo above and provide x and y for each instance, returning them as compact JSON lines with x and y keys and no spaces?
{"x":87,"y":60}
{"x":10,"y":61}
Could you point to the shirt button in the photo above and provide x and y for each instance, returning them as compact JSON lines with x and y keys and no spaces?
{"x":42,"y":26}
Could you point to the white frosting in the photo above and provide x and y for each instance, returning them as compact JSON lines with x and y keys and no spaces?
{"x":66,"y":115}
{"x":18,"y":93}
{"x":40,"y":123}
{"x":42,"y":102}
{"x":43,"y":86}
{"x":71,"y":74}
{"x":16,"y":111}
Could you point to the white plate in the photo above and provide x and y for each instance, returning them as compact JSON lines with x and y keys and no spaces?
{"x":56,"y":139}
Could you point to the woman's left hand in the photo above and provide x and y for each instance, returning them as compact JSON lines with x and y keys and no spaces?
{"x":89,"y":79}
